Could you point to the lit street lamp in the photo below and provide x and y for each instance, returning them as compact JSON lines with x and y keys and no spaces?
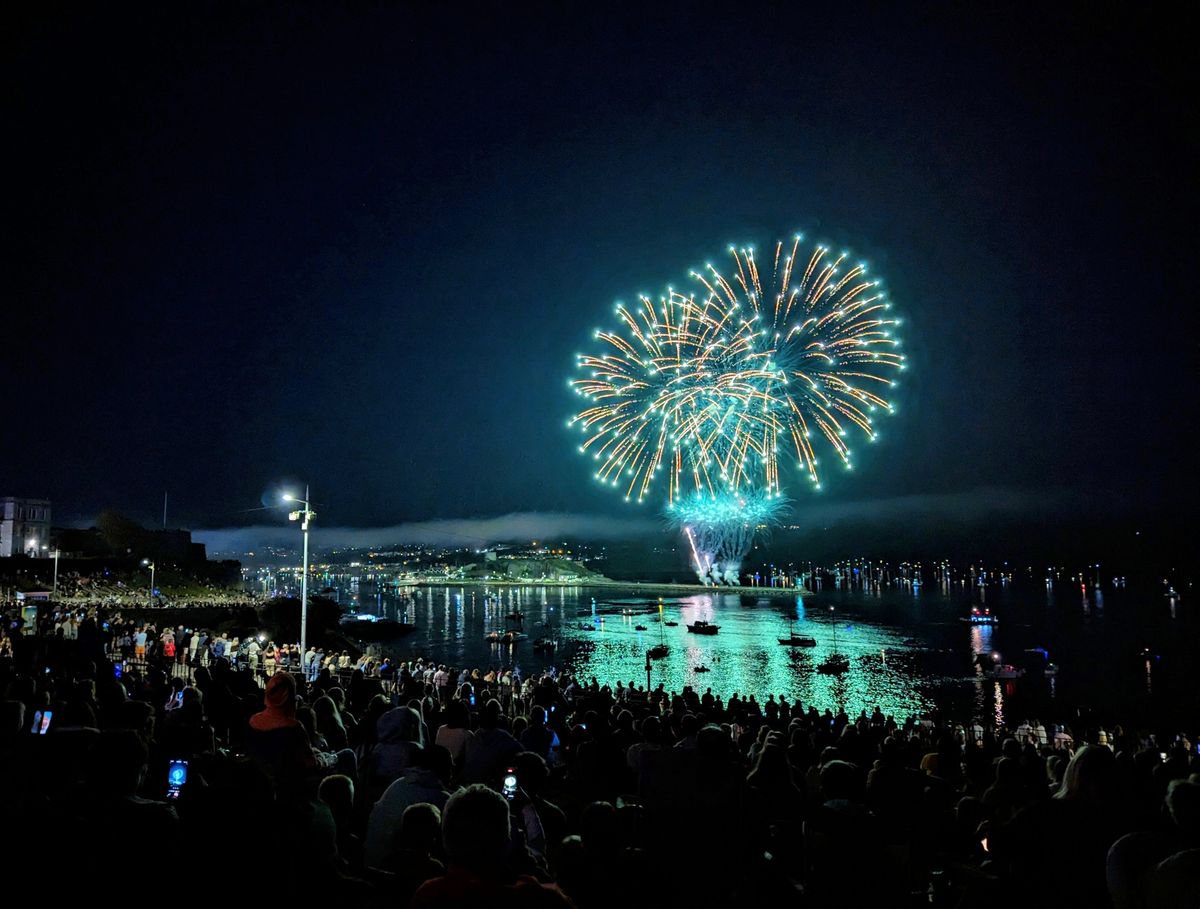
{"x":304,"y":515}
{"x":57,"y":553}
{"x":151,"y":566}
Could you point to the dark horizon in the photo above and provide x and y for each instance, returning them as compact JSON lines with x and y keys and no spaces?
{"x":261,"y":246}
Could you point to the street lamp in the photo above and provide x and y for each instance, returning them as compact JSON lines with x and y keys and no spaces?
{"x":304,"y":515}
{"x":57,"y":553}
{"x":151,"y":566}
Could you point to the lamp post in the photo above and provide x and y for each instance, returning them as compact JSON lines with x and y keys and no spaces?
{"x":304,"y":515}
{"x":151,"y":566}
{"x":57,"y":553}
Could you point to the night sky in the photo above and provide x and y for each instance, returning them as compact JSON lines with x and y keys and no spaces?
{"x":247,"y":243}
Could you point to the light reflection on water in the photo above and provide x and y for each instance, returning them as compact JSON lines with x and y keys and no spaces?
{"x":907,"y":652}
{"x":745,"y":657}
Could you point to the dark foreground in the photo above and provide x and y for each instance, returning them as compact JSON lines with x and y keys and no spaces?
{"x":439,"y":787}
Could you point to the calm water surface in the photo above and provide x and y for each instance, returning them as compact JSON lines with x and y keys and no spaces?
{"x":909,"y":651}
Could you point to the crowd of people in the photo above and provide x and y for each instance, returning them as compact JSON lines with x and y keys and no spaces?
{"x":428,"y":785}
{"x":104,"y":590}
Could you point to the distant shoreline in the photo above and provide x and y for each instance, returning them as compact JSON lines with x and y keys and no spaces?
{"x":647,"y":586}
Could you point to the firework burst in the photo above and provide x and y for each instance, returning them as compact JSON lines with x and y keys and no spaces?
{"x":711,"y":390}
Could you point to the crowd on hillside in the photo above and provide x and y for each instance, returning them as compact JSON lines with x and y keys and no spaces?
{"x":436,"y":787}
{"x":108,"y":591}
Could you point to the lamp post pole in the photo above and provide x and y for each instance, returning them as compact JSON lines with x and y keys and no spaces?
{"x":303,"y":516}
{"x":54,"y":593}
{"x":151,"y":566}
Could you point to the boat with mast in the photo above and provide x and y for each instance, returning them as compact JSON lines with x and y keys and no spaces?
{"x":659,"y":650}
{"x":796,"y":640}
{"x":836,"y":663}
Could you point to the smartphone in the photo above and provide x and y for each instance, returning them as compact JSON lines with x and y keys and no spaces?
{"x":179,"y":698}
{"x":510,"y":783}
{"x":117,"y":670}
{"x":472,"y":700}
{"x":1162,"y":756}
{"x":41,"y":722}
{"x":177,"y":773}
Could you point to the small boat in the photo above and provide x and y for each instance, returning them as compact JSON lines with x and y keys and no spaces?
{"x":640,"y":628}
{"x":835,"y":664}
{"x":980,"y":618}
{"x":515,"y":616}
{"x":493,"y":637}
{"x":796,"y":640}
{"x":703,"y":627}
{"x":658,"y":652}
{"x":702,"y":669}
{"x":1005,"y":671}
{"x":513,"y":637}
{"x":627,"y":611}
{"x":547,"y":644}
{"x":587,"y":627}
{"x":1051,"y":670}
{"x":671,"y":624}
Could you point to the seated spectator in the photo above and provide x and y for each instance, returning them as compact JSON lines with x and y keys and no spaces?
{"x":336,"y":792}
{"x":277,"y":739}
{"x":489,"y":749}
{"x":399,"y":740}
{"x":453,"y":734}
{"x":476,"y":836}
{"x":536,"y":737}
{"x":1141,"y":870}
{"x":426,"y":780}
{"x":416,"y":856}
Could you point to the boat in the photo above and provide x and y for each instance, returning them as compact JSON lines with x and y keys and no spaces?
{"x":702,"y":669}
{"x":515,"y":616}
{"x":545,"y":644}
{"x":508,"y":637}
{"x":796,"y":640}
{"x":1004,"y":671}
{"x":834,"y":664}
{"x":640,"y":628}
{"x":980,"y":618}
{"x":671,"y":624}
{"x":587,"y":627}
{"x":703,"y":627}
{"x":660,"y":650}
{"x":373,"y":628}
{"x":627,"y":611}
{"x":1051,"y":670}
